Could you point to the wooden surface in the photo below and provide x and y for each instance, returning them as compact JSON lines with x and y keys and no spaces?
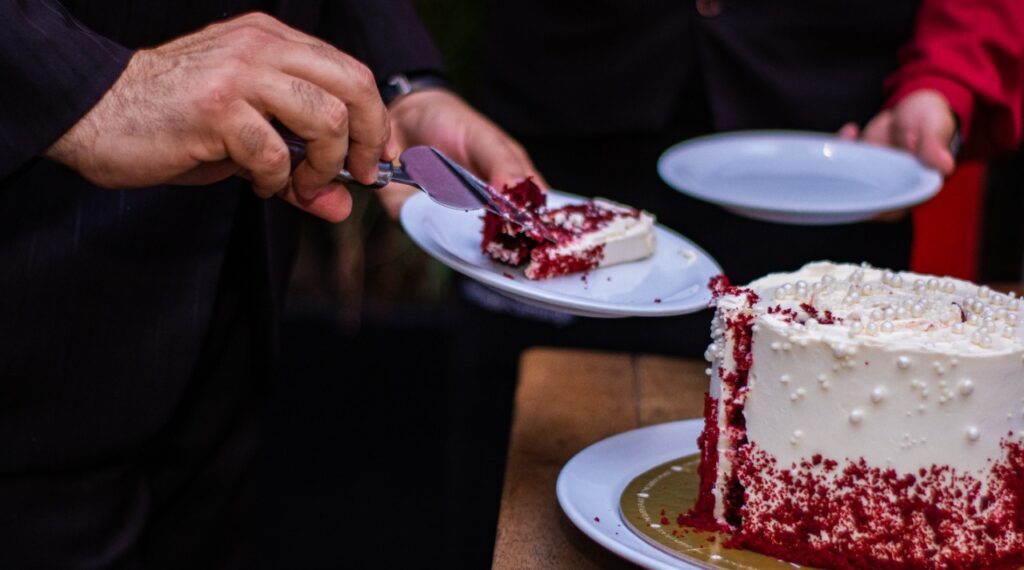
{"x":567,"y":400}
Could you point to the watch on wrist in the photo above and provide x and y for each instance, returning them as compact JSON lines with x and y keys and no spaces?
{"x":401,"y":84}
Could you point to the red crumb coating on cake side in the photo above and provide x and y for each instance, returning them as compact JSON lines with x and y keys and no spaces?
{"x":509,"y":244}
{"x":848,"y":515}
{"x":740,"y":329}
{"x":701,"y":516}
{"x":844,"y":514}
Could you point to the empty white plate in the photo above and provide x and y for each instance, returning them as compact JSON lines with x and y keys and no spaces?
{"x":797,"y":177}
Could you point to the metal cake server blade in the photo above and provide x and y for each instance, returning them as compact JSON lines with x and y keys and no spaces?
{"x":441,"y":178}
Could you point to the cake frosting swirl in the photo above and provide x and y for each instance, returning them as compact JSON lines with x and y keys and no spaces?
{"x":859,"y":417}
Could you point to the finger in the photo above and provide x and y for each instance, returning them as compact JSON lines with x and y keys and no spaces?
{"x":331,"y":202}
{"x":352,"y":83}
{"x":934,"y":152}
{"x":255,"y":146}
{"x":313,"y":114}
{"x":905,"y":132}
{"x":849,"y":132}
{"x":878,"y":128}
{"x":501,"y":161}
{"x":393,"y":196}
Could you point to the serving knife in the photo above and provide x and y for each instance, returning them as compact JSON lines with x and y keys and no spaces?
{"x":445,"y":181}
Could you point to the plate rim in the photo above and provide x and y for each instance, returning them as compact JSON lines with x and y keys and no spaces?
{"x":927,"y":184}
{"x":594,"y":308}
{"x":643,"y":553}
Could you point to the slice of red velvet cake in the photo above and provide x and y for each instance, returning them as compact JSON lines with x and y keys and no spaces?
{"x":860,"y":418}
{"x":592,"y":234}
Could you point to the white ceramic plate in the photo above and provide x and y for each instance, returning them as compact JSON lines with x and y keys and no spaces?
{"x":590,"y":486}
{"x":673,"y":281}
{"x":797,"y":177}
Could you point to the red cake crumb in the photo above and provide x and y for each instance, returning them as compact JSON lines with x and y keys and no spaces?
{"x":876,"y":518}
{"x":719,"y":286}
{"x":825,"y":318}
{"x":701,"y":516}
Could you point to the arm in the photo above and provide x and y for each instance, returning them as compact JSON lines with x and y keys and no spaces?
{"x":970,"y":52}
{"x":963,"y":69}
{"x":52,"y":71}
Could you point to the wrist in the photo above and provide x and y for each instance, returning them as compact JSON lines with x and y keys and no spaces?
{"x":401,"y":85}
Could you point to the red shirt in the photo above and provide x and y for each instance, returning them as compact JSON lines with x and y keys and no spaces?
{"x":972,"y":52}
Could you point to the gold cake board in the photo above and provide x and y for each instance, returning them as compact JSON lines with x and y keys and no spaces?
{"x":672,"y":487}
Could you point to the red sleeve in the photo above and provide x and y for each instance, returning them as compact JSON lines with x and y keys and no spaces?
{"x":971,"y":51}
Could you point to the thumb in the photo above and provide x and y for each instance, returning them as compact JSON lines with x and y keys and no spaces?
{"x":848,"y":132}
{"x":878,"y":129}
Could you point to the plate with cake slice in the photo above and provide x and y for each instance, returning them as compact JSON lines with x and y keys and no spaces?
{"x":593,"y":258}
{"x":794,"y":177}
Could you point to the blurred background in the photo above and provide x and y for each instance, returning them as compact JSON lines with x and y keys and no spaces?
{"x":347,"y":486}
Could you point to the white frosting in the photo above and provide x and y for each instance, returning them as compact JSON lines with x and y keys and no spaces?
{"x":625,"y":238}
{"x":900,"y":379}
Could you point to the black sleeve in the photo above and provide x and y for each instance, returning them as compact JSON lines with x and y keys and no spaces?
{"x":386,"y":35}
{"x":52,"y":71}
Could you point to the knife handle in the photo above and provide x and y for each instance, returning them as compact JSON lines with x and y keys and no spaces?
{"x":297,"y":151}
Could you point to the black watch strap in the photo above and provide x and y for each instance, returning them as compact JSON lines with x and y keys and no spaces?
{"x":401,"y":84}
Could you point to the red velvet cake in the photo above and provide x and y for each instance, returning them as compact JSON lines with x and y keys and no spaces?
{"x":585,"y":236}
{"x":860,"y":418}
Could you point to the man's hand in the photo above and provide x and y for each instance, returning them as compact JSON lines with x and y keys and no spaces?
{"x":921,"y":123}
{"x":443,"y":120}
{"x":198,"y":109}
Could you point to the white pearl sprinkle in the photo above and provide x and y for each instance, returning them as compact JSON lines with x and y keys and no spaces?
{"x":958,"y":328}
{"x":876,"y":314}
{"x":932,"y":284}
{"x":965,"y":386}
{"x":903,"y":362}
{"x":871,"y":329}
{"x":785,"y":378}
{"x":973,"y":434}
{"x":856,"y":416}
{"x":707,"y":371}
{"x":887,"y":327}
{"x":855,"y":329}
{"x":896,"y":282}
{"x":948,"y":287}
{"x":878,"y":394}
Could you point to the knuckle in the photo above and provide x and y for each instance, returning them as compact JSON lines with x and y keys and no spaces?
{"x":217,"y":94}
{"x":257,"y":19}
{"x":248,"y":37}
{"x":337,"y":117}
{"x":364,"y":77}
{"x":276,"y":158}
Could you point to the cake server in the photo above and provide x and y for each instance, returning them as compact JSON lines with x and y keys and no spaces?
{"x":441,"y":178}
